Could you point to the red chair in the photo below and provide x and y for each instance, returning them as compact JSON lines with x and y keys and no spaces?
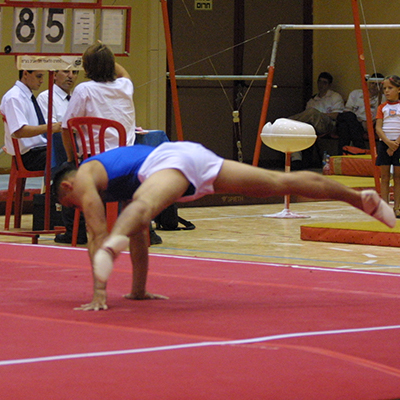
{"x":83,"y":126}
{"x":16,"y":185}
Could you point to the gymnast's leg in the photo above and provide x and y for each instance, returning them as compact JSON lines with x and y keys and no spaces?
{"x":244,"y":179}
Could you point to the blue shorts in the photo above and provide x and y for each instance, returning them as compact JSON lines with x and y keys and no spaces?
{"x":383,"y":157}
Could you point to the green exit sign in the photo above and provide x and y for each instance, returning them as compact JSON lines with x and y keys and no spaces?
{"x":203,"y":4}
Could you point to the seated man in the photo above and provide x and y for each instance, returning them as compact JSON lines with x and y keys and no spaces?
{"x":25,"y":121}
{"x":154,"y":178}
{"x":321,"y":112}
{"x":351,"y":124}
{"x":64,"y":82}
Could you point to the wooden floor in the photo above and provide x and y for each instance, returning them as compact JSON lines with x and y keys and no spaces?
{"x":243,"y":233}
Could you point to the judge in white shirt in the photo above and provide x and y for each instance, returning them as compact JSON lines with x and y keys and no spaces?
{"x":25,"y":122}
{"x":64,"y":81}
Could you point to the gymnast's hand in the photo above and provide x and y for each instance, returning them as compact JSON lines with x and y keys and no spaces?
{"x":146,"y":296}
{"x":98,"y":302}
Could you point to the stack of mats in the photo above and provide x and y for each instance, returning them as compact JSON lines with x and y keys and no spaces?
{"x":369,"y":233}
{"x":351,"y":165}
{"x":355,"y":171}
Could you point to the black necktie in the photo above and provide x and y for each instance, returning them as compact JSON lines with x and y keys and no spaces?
{"x":68,"y":97}
{"x":38,"y":111}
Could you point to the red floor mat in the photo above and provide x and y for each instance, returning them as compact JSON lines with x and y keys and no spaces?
{"x":230,"y":330}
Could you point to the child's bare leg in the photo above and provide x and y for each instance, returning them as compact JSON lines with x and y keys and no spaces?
{"x":396,"y":189}
{"x":385,"y":182}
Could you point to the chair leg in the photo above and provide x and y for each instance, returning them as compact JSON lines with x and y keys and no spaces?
{"x":75,"y":228}
{"x":10,"y":197}
{"x":18,"y":202}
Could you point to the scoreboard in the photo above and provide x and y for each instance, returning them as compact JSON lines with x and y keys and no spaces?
{"x":68,"y":28}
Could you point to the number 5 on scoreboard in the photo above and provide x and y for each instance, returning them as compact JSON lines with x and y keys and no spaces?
{"x":53,"y":40}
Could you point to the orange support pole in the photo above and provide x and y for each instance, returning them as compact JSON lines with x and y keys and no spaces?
{"x":171,"y":68}
{"x":267,"y":95}
{"x":370,"y":125}
{"x":264,"y":111}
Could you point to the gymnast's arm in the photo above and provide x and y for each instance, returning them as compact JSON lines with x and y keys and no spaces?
{"x":139,"y":254}
{"x":87,"y":187}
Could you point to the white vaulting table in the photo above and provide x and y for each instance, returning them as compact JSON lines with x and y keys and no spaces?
{"x":288,"y":136}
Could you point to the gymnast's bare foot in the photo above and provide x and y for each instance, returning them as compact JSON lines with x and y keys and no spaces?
{"x":377,"y":208}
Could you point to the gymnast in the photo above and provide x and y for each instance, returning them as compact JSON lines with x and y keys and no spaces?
{"x":153,"y":178}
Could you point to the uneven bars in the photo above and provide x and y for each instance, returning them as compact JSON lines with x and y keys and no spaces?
{"x":317,"y":27}
{"x":223,"y":77}
{"x":278,"y":29}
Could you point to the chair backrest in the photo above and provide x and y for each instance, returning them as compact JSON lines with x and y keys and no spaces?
{"x":19,"y":165}
{"x":83,"y":126}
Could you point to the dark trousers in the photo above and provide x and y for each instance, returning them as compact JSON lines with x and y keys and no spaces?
{"x":35,"y":159}
{"x":349,"y":129}
{"x":68,"y":214}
